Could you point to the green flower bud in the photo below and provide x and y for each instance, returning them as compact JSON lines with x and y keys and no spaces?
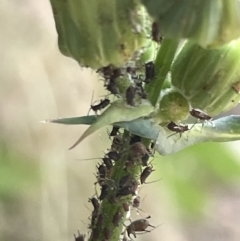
{"x":208,"y":78}
{"x":173,"y":106}
{"x":97,"y":33}
{"x":208,"y":22}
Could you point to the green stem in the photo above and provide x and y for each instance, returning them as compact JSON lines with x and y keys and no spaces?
{"x":163,"y":64}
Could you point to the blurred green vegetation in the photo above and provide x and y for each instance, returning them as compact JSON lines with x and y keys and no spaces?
{"x":19,"y":173}
{"x":194,"y":173}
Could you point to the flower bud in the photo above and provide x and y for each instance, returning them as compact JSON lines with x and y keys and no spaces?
{"x":209,"y":78}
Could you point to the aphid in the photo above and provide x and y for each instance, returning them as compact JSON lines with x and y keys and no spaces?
{"x":108,"y":163}
{"x":102,"y":171}
{"x":112,"y":88}
{"x":114,"y":131}
{"x":103,"y":103}
{"x":116,"y":143}
{"x":130,"y":95}
{"x":199,"y":114}
{"x":137,"y":150}
{"x":97,"y":228}
{"x":126,"y":207}
{"x":177,"y":128}
{"x":156,"y":32}
{"x":114,"y":155}
{"x":104,"y":192}
{"x":145,"y":174}
{"x":149,"y":72}
{"x":95,"y":204}
{"x":93,"y":219}
{"x":117,"y":218}
{"x":106,"y":71}
{"x":129,"y":189}
{"x":134,"y":139}
{"x":125,"y":180}
{"x":107,"y":233}
{"x":139,"y":225}
{"x":136,"y":202}
{"x":79,"y":237}
{"x":145,"y":159}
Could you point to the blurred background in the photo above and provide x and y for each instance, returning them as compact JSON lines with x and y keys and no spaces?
{"x":44,"y":188}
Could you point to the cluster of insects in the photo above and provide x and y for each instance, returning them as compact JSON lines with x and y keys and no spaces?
{"x":134,"y":92}
{"x":124,"y":190}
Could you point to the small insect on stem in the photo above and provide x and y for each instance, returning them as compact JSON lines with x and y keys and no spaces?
{"x":156,"y":36}
{"x":117,"y":218}
{"x":149,"y":72}
{"x":130,"y":95}
{"x":95,"y":204}
{"x":177,"y":128}
{"x":201,"y":116}
{"x":79,"y":237}
{"x":107,"y":233}
{"x":103,"y":104}
{"x":128,"y":189}
{"x":113,"y":155}
{"x":139,"y":225}
{"x":145,"y":174}
{"x":108,"y":163}
{"x":137,"y":150}
{"x":114,"y":131}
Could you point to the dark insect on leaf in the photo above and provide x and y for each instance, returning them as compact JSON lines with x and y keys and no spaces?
{"x":130,"y":95}
{"x":177,"y":128}
{"x":199,"y":114}
{"x":149,"y":72}
{"x":156,"y":36}
{"x":114,"y":131}
{"x":103,"y":103}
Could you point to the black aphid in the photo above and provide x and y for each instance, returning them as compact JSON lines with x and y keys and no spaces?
{"x":117,"y":218}
{"x":114,"y":131}
{"x":104,"y":191}
{"x":137,"y":150}
{"x":107,"y":233}
{"x":149,"y":72}
{"x":108,"y":163}
{"x":103,"y":104}
{"x":79,"y":237}
{"x":129,"y":189}
{"x":177,"y":128}
{"x":114,"y":155}
{"x":130,"y":95}
{"x":145,"y":174}
{"x":199,"y":114}
{"x":95,"y":204}
{"x":156,"y":36}
{"x":136,"y":202}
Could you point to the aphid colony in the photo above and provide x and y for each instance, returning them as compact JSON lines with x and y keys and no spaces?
{"x":122,"y":191}
{"x":134,"y":92}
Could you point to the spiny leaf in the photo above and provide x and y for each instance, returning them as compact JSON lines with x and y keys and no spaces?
{"x":81,"y":120}
{"x":118,"y":111}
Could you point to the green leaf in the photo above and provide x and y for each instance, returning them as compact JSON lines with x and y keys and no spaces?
{"x":141,"y":127}
{"x":118,"y":111}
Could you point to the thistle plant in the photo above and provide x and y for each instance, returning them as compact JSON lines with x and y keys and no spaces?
{"x":172,"y":66}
